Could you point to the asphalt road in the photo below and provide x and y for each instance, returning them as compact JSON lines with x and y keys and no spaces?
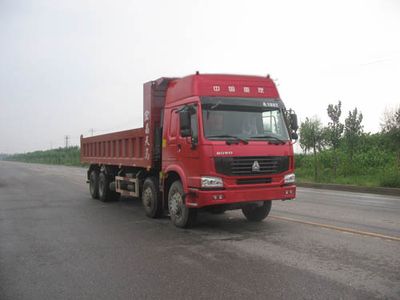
{"x":58,"y":243}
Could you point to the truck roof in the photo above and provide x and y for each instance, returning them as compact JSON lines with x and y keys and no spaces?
{"x":223,"y":85}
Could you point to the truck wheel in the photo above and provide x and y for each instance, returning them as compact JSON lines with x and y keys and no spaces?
{"x":181,"y":215}
{"x":255,"y":213}
{"x":151,"y":198}
{"x":105,"y":194}
{"x":94,"y":184}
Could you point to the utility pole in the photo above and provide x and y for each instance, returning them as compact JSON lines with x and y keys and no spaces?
{"x":66,"y":141}
{"x":92,"y":131}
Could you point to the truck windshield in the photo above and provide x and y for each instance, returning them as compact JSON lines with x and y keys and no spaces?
{"x":244,"y":119}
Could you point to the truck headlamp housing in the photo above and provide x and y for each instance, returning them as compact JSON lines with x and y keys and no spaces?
{"x":289,"y":178}
{"x":211,"y":182}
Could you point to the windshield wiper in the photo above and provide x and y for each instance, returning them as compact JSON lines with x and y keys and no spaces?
{"x":267,"y":136}
{"x":244,"y":141}
{"x":216,"y":105}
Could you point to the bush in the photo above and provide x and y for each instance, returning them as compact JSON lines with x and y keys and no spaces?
{"x":371,"y":166}
{"x":391,"y":180}
{"x":61,"y":156}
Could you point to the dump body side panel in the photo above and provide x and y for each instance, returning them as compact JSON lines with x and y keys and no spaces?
{"x":123,"y":148}
{"x":139,"y":147}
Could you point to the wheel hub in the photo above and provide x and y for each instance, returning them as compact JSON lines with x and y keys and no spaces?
{"x":91,"y":185}
{"x":175,"y":204}
{"x":147,"y":197}
{"x":101,"y":187}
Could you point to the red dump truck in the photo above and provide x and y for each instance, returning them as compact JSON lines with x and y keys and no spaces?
{"x":210,"y":142}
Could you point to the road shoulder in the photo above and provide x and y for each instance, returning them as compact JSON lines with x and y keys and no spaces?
{"x":352,"y":188}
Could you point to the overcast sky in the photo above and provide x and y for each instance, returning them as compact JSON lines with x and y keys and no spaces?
{"x":69,"y":66}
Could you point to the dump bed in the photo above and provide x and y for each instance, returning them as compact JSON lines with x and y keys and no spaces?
{"x":139,"y":147}
{"x":118,"y":148}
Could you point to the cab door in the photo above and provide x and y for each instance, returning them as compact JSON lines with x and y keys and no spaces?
{"x":183,"y":151}
{"x":170,"y":148}
{"x":187,"y":147}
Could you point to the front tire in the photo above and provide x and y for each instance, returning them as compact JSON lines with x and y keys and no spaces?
{"x":181,"y":216}
{"x":94,"y":184}
{"x":151,"y":198}
{"x":254,"y":213}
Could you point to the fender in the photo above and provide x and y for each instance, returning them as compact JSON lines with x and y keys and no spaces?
{"x":178,"y":169}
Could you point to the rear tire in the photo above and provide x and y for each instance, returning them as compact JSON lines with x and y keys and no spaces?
{"x":255,"y":213}
{"x":94,"y":184}
{"x":105,"y":194}
{"x":151,"y":198}
{"x":181,"y":216}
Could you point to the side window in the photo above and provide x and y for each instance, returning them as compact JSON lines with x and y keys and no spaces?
{"x":173,"y":127}
{"x":194,"y":124}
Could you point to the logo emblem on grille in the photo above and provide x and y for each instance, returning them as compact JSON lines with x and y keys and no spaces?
{"x":255,"y":167}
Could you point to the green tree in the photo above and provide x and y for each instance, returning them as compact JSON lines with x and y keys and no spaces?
{"x":391,"y":128}
{"x":353,"y":130}
{"x":312,"y":136}
{"x":334,"y":131}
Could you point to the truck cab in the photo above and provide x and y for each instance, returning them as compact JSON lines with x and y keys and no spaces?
{"x":227,"y":140}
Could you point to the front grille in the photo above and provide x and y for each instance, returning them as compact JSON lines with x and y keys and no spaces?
{"x":254,"y":180}
{"x":251,"y":165}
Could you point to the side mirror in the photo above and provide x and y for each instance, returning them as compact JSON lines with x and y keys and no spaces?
{"x":184,"y":120}
{"x":293,"y":122}
{"x":294,"y":136}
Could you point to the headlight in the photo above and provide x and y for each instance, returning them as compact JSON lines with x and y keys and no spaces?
{"x":289,"y":178}
{"x":211,"y":182}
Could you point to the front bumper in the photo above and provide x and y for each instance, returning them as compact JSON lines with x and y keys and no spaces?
{"x":201,"y":198}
